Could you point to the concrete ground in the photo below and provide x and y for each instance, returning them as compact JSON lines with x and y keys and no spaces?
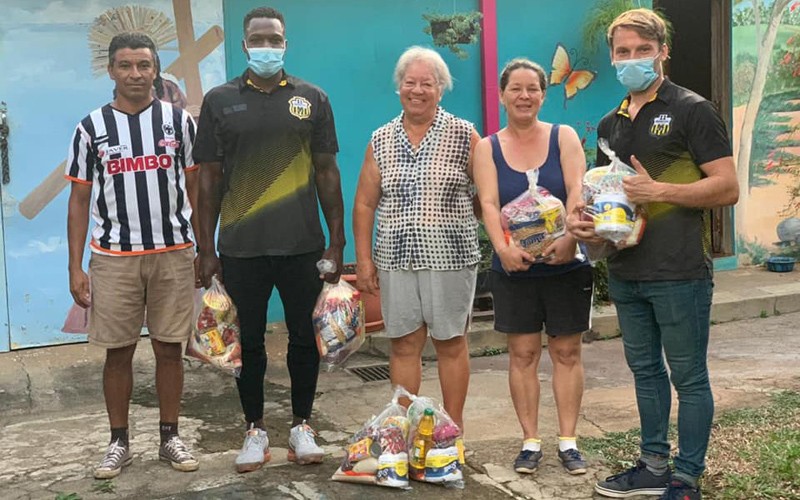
{"x":54,"y":426}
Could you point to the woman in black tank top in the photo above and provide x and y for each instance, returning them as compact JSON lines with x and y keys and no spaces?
{"x":529,"y":297}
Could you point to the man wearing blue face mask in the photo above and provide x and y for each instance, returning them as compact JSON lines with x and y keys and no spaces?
{"x":662,"y":288}
{"x":267,"y":146}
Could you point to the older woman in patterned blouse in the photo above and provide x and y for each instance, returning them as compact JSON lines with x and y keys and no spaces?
{"x":417,"y":174}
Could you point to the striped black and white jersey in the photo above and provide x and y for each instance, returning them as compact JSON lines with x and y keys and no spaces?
{"x":136,"y":165}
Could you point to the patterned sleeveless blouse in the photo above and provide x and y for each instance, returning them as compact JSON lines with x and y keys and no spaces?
{"x":425,"y":218}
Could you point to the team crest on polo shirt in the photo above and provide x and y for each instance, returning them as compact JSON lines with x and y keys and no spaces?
{"x":300,"y":107}
{"x":168,"y":129}
{"x":661,"y":125}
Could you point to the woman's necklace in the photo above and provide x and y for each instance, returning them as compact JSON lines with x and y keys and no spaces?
{"x":416,"y":132}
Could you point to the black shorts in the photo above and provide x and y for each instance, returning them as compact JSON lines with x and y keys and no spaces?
{"x":561,"y":304}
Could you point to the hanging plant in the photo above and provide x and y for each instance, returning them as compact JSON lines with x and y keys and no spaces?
{"x":452,"y":30}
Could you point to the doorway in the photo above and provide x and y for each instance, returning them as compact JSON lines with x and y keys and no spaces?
{"x":700,"y":60}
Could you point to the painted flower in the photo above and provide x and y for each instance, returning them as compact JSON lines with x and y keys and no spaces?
{"x":787,"y":58}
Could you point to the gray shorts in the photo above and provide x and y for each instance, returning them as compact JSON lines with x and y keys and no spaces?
{"x":442,"y":300}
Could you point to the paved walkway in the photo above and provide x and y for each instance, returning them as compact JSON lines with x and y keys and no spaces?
{"x":53,"y":425}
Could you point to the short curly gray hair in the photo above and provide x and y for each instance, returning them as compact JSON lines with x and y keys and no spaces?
{"x":430,"y":56}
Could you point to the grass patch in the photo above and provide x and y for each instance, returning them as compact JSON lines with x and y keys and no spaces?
{"x":491,"y":351}
{"x":106,"y":486}
{"x":754,"y":452}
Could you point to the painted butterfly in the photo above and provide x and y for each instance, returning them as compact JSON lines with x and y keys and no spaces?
{"x":573,"y":79}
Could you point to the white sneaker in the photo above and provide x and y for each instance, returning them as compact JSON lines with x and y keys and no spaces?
{"x":302,"y":448}
{"x":255,"y":451}
{"x":117,"y":456}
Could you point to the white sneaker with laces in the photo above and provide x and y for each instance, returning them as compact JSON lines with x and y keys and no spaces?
{"x":117,"y":456}
{"x":255,"y":451}
{"x":303,"y":448}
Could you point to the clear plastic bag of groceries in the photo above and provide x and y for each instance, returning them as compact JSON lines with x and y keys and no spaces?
{"x":338,"y":320}
{"x":444,"y":460}
{"x":215,"y":331}
{"x":533,"y":219}
{"x":378,"y":453}
{"x":615,"y":218}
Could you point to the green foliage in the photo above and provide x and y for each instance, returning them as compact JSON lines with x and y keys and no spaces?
{"x":68,"y":496}
{"x":746,"y":17}
{"x":618,"y":449}
{"x":106,"y":486}
{"x":602,"y":15}
{"x":452,"y":30}
{"x":486,"y":249}
{"x":771,"y":136}
{"x":490,"y":351}
{"x":600,"y":273}
{"x":785,"y":65}
{"x":744,"y":71}
{"x":768,"y":438}
{"x":754,"y":452}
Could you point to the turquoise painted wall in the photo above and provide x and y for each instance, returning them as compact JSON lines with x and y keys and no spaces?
{"x":525,"y":30}
{"x":349,"y":49}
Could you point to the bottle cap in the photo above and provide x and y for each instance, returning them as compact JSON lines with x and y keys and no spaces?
{"x":428,"y":411}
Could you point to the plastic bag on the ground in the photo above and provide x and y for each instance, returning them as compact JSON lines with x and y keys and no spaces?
{"x":338,"y":321}
{"x":444,"y":461}
{"x":616,"y":219}
{"x":534,"y":219}
{"x":215,"y":331}
{"x":378,"y":453}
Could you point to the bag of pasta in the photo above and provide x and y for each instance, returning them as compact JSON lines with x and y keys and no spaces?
{"x":534,"y":219}
{"x":215,"y":332}
{"x":338,"y":319}
{"x":378,"y":453}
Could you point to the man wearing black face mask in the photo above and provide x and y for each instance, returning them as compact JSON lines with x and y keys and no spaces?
{"x":662,"y":288}
{"x":267,"y":146}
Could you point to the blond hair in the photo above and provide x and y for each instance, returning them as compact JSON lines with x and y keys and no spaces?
{"x":647,"y":23}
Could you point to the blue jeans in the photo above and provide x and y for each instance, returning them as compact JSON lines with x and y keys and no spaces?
{"x":670,"y":317}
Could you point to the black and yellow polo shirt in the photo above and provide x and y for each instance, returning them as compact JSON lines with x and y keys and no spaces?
{"x":672,"y":135}
{"x":264,"y":141}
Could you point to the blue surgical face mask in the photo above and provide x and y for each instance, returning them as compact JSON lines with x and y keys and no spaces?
{"x":636,"y":74}
{"x":265,"y":61}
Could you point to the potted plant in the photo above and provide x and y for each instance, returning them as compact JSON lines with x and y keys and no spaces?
{"x":452,"y":30}
{"x":373,"y":318}
{"x":603,"y":14}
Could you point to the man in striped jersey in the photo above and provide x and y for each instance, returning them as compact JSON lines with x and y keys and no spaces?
{"x":130,"y":162}
{"x":267,"y":145}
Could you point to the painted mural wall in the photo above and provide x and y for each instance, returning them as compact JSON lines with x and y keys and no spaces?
{"x":53,"y":55}
{"x":766,"y":118}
